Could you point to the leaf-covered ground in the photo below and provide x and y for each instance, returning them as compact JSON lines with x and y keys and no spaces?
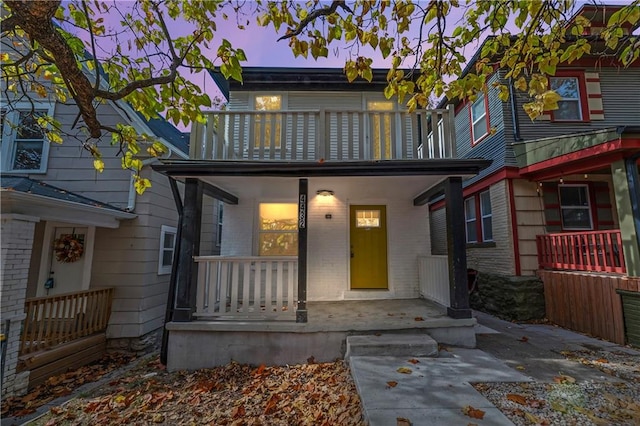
{"x":313,"y":394}
{"x":63,"y":384}
{"x":570,"y":400}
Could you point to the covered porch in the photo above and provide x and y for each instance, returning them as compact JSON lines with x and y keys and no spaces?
{"x":284,"y":309}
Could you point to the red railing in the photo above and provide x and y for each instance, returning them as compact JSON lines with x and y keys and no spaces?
{"x":596,"y":251}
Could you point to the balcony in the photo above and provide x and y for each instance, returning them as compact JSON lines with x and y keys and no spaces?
{"x":595,"y":251}
{"x":326,"y":134}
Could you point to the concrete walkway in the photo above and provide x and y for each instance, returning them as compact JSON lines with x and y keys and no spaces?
{"x":437,"y":389}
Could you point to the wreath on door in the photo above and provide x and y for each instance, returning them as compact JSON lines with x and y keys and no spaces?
{"x":68,"y":248}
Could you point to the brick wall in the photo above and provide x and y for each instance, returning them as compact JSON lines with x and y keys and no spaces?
{"x":17,"y":242}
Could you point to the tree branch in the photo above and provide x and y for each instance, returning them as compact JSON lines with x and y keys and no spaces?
{"x":312,"y":16}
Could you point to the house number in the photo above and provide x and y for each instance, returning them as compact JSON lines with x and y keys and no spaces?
{"x":302,"y":209}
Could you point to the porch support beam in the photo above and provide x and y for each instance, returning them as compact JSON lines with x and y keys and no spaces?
{"x":457,"y":249}
{"x":303,"y":197}
{"x":219,"y":194}
{"x":187,"y":269}
{"x":624,"y":177}
{"x":428,"y":195}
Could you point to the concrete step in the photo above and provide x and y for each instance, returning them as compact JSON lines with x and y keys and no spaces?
{"x":412,"y":345}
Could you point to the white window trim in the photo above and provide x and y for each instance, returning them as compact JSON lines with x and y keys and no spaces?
{"x":8,"y":139}
{"x":164,"y":230}
{"x":587,"y":207}
{"x":475,"y":138}
{"x":578,"y":99}
{"x":483,"y":216}
{"x":467,"y":220}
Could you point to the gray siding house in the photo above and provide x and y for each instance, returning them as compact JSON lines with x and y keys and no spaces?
{"x":83,"y":255}
{"x":560,"y":200}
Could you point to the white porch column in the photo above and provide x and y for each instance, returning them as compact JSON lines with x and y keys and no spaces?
{"x":17,"y":243}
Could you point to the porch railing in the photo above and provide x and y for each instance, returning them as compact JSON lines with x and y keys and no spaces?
{"x":247,"y":287}
{"x":52,"y":320}
{"x":433,"y":273}
{"x":326,"y":134}
{"x":596,"y":251}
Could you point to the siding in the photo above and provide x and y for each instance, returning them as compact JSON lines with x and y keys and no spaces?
{"x":620,"y":90}
{"x":493,"y":146}
{"x":438,"y":226}
{"x":499,"y":259}
{"x":127,"y":259}
{"x":530,"y":222}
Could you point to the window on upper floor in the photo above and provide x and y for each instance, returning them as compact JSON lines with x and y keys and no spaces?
{"x":278,"y":229}
{"x":268,"y":127}
{"x":219,"y":225}
{"x":479,"y":114}
{"x":380,"y":128}
{"x":25,"y":148}
{"x":478,"y":206}
{"x":575,"y":207}
{"x":167,"y":249}
{"x":569,"y":107}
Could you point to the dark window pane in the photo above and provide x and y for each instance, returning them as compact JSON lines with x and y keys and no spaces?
{"x":167,"y":257}
{"x":485,"y":203}
{"x":28,"y":155}
{"x":472,"y":234}
{"x":169,"y":240}
{"x":576,"y":218}
{"x":478,"y":108}
{"x":28,"y":127}
{"x":574,"y":196}
{"x":568,"y":110}
{"x":470,"y":208}
{"x":487,"y":230}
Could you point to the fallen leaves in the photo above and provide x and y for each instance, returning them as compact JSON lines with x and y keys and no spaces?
{"x":235,"y":394}
{"x":523,"y":339}
{"x":474,"y":413}
{"x":418,"y":319}
{"x":414,"y":361}
{"x":63,"y":384}
{"x":401,"y":421}
{"x":404,"y":370}
{"x":392,"y":384}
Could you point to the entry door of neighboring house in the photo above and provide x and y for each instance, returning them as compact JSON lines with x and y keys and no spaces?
{"x":67,"y":276}
{"x":368,"y":239}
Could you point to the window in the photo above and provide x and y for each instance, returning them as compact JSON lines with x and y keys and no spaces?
{"x":485,"y":214}
{"x":219,"y":225}
{"x":479,"y":118}
{"x":367,"y":218}
{"x":278,"y":233}
{"x":380,"y":128}
{"x":268,"y":127}
{"x":167,"y":249}
{"x":478,"y":206}
{"x":569,"y":106}
{"x":470,"y":219}
{"x":24,"y":145}
{"x":574,"y":207}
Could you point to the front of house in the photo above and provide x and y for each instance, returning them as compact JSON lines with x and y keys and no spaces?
{"x":325,"y":185}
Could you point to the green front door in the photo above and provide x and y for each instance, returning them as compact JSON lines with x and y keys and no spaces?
{"x":368,"y":239}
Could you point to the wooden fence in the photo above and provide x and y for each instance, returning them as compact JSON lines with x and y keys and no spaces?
{"x":585,"y":302}
{"x":247,"y":287}
{"x":53,"y":320}
{"x":596,"y":251}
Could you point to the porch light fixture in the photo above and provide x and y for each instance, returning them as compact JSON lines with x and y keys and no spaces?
{"x":324,"y":192}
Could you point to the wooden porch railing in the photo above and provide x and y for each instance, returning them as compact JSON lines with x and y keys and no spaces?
{"x":52,"y":320}
{"x":247,"y":287}
{"x":327,"y":134}
{"x":595,"y":251}
{"x":433,"y":273}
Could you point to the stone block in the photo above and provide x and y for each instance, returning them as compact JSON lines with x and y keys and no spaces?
{"x":510,"y":298}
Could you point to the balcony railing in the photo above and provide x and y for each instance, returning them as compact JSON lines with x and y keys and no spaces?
{"x":247,"y":287}
{"x":327,"y":134}
{"x":596,"y":251}
{"x":52,"y":320}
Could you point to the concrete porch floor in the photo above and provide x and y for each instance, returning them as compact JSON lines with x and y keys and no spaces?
{"x":206,"y":343}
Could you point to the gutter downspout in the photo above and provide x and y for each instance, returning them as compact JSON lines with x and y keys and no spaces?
{"x":171,"y":296}
{"x":634,"y":190}
{"x":133,"y":194}
{"x":514,"y":112}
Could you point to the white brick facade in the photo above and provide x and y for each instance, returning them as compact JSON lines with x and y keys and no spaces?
{"x":328,"y":238}
{"x":17,"y":242}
